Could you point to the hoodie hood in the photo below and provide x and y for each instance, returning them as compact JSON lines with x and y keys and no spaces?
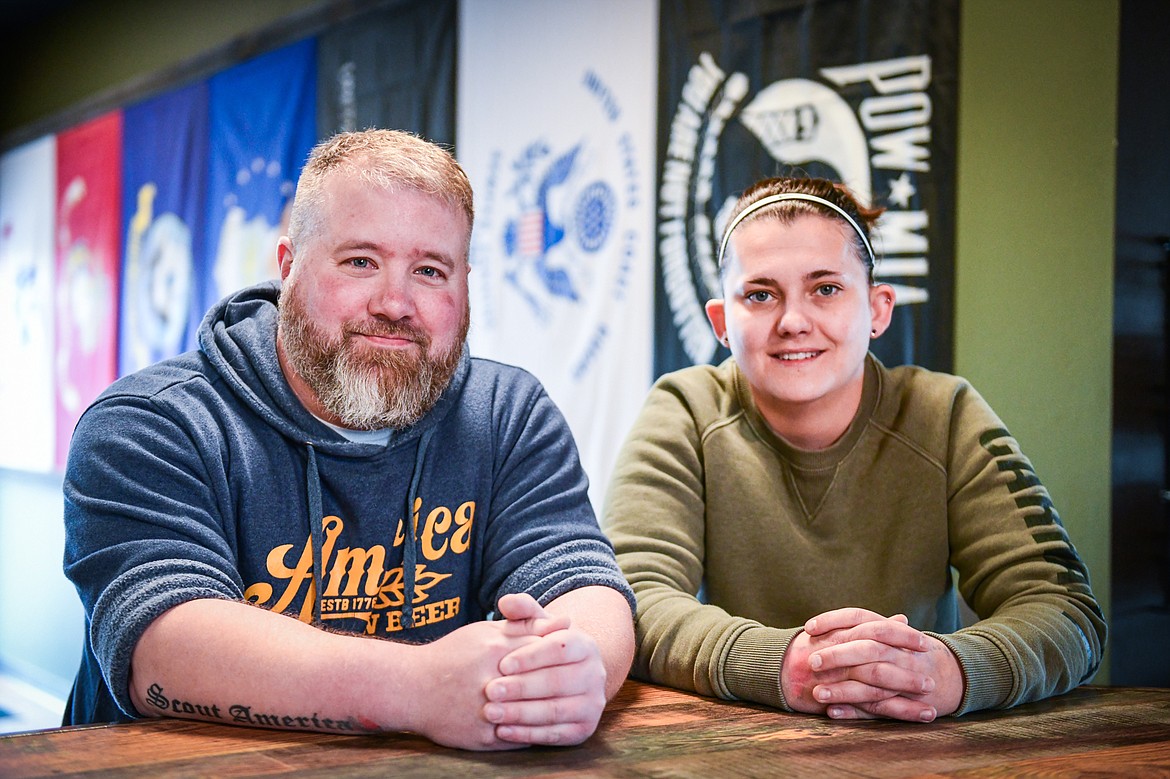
{"x":238,"y":336}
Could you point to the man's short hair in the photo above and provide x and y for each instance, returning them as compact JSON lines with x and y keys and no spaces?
{"x":390,"y":159}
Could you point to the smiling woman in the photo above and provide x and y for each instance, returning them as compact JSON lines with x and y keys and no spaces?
{"x":820,"y":501}
{"x":800,"y":306}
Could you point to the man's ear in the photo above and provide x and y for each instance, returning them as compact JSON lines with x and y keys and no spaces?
{"x":284,"y":256}
{"x":717,"y":316}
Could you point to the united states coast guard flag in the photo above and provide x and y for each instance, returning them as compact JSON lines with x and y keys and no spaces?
{"x":555,"y":130}
{"x":27,"y":195}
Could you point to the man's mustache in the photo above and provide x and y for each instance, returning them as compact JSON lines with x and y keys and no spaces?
{"x":390,"y":330}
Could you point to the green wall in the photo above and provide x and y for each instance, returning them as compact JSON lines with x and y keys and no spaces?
{"x":1034,"y":275}
{"x":1034,"y":271}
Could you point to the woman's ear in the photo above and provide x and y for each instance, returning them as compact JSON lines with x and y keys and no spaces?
{"x":717,"y":316}
{"x":881,"y":308}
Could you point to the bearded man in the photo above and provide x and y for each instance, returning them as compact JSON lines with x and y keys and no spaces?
{"x":332,"y":455}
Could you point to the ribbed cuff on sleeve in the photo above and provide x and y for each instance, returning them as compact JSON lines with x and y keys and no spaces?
{"x":988,"y":680}
{"x":751,"y":671}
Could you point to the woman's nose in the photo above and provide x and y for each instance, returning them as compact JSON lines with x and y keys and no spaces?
{"x":792,"y":320}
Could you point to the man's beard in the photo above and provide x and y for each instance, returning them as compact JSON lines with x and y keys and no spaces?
{"x":368,"y":389}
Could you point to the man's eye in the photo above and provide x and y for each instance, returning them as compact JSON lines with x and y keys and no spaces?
{"x":827,"y":290}
{"x":360,"y":262}
{"x":430,"y":272}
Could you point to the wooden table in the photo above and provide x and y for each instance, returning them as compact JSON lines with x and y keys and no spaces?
{"x":651,"y":731}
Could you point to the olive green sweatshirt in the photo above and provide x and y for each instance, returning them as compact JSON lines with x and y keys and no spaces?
{"x":732,"y":538}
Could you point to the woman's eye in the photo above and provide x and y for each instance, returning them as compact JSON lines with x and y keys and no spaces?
{"x":360,"y":262}
{"x":759,"y":296}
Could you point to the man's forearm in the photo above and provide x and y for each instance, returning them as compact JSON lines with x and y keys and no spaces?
{"x":228,"y":661}
{"x":604,"y":614}
{"x":231,"y":662}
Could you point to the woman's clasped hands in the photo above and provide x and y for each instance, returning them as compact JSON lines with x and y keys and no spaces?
{"x":856,"y":664}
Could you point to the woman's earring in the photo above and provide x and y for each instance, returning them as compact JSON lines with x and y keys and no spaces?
{"x":873,"y":333}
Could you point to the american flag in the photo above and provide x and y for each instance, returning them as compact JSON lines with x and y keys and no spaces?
{"x":531,"y":233}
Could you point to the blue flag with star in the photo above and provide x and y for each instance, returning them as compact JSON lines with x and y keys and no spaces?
{"x":263,"y":125}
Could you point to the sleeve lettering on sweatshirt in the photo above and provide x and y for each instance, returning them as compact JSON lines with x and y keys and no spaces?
{"x":1044,"y":524}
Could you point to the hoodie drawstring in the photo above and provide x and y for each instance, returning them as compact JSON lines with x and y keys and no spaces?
{"x":410,"y":543}
{"x":316,"y":528}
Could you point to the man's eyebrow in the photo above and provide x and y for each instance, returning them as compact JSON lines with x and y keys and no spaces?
{"x":358,"y":245}
{"x":439,"y":257}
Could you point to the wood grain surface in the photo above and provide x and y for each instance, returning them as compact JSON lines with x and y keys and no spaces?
{"x":650,"y":731}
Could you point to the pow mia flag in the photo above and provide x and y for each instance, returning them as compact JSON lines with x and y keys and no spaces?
{"x":857,"y":91}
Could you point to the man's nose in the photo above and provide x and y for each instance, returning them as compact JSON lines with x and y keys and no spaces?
{"x":392,"y":300}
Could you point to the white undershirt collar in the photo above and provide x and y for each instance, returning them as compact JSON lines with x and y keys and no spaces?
{"x":380,"y":436}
